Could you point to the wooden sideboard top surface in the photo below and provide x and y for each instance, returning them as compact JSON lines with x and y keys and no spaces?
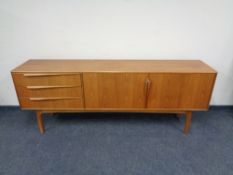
{"x":164,"y":66}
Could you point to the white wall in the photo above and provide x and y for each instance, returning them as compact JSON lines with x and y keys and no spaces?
{"x":133,"y":29}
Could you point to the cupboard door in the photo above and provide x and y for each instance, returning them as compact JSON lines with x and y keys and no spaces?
{"x":177,"y":91}
{"x":114,"y":90}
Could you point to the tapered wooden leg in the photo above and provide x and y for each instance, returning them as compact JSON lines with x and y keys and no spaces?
{"x":40,"y":121}
{"x":188,"y":119}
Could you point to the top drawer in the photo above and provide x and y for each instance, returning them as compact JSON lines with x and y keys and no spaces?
{"x":41,"y":79}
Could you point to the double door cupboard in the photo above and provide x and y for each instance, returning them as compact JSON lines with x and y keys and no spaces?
{"x":168,"y":86}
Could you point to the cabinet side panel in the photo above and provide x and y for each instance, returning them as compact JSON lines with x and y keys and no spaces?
{"x":16,"y":90}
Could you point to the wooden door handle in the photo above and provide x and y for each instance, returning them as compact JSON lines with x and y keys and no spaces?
{"x":147,"y":90}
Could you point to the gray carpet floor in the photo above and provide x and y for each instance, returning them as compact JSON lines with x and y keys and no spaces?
{"x":116,"y":144}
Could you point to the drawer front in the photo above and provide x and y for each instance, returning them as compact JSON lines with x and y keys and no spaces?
{"x":49,"y":91}
{"x":46,"y":79}
{"x":51,"y":103}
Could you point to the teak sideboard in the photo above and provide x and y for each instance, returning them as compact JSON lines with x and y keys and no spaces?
{"x":168,"y":86}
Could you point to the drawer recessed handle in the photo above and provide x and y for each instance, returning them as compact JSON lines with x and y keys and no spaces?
{"x":49,"y":87}
{"x":52,"y":98}
{"x":46,"y":74}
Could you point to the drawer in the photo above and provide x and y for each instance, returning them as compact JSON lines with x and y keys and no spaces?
{"x":49,"y":91}
{"x":46,"y":79}
{"x":51,"y":103}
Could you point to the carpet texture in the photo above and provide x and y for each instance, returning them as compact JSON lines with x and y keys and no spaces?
{"x":116,"y":144}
